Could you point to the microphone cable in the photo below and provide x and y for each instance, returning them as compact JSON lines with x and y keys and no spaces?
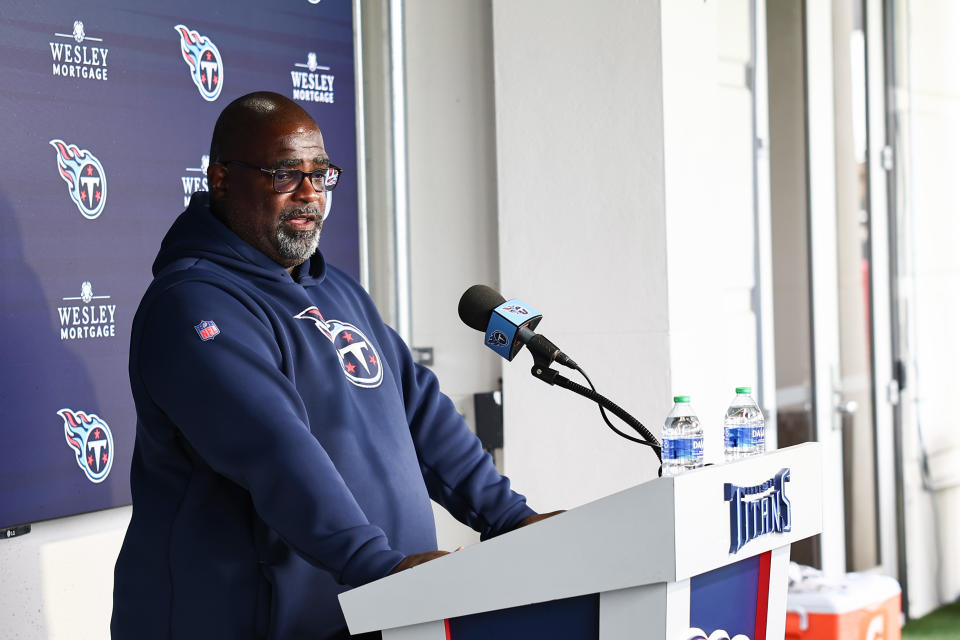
{"x":648,"y":438}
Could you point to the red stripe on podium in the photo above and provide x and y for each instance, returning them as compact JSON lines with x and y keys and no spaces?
{"x":763,"y":597}
{"x":446,"y":628}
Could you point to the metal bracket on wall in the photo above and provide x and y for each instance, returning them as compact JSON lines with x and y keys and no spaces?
{"x":886,"y":158}
{"x":423,"y":355}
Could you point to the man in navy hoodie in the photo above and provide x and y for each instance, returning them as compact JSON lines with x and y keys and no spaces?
{"x":287,"y":445}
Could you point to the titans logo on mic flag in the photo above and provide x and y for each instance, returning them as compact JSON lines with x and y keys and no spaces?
{"x":504,"y":323}
{"x":497,"y":339}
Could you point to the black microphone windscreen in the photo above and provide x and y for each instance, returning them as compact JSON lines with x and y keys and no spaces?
{"x":476,"y":305}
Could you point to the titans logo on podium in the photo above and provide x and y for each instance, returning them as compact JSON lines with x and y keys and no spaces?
{"x":85,"y":178}
{"x":751,"y":516}
{"x":358,"y":359}
{"x":203,"y":58}
{"x":89,"y":436}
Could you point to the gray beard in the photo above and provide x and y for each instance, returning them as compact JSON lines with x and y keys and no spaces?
{"x":297,"y":245}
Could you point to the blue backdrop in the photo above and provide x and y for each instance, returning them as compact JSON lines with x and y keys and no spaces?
{"x":107,"y":115}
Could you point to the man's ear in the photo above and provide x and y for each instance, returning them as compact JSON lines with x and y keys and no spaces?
{"x":217,"y":179}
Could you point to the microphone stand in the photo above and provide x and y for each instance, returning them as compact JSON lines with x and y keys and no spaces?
{"x":541,"y":371}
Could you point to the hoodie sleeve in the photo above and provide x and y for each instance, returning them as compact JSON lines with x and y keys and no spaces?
{"x":459,"y":474}
{"x":228,"y":397}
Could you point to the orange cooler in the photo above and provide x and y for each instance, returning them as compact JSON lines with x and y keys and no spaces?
{"x":858,"y":607}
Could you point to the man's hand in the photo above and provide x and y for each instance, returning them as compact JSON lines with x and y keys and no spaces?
{"x":417,"y":558}
{"x":537,"y":517}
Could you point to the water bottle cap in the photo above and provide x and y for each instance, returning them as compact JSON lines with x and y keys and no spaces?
{"x":681,"y":398}
{"x":744,"y":389}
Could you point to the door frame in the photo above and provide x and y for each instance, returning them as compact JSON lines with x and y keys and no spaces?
{"x":822,"y":261}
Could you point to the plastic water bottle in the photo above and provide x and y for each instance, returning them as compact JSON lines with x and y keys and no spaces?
{"x":682,"y":439}
{"x":744,"y":431}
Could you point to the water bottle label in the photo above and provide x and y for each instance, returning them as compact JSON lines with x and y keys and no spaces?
{"x":743,"y":437}
{"x":682,"y":449}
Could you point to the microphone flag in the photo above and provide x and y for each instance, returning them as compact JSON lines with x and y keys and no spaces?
{"x":506,"y":320}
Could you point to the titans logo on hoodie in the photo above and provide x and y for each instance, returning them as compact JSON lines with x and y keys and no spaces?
{"x":358,"y":358}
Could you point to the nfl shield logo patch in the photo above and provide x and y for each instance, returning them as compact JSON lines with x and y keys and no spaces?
{"x":207,"y":330}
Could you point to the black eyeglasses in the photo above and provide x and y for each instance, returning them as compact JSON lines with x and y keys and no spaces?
{"x":289,"y":180}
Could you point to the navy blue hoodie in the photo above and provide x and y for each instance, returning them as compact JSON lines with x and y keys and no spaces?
{"x":286,"y":450}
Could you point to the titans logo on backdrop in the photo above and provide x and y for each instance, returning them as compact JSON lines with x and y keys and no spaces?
{"x":92,"y":442}
{"x":358,"y":357}
{"x":203,"y":58}
{"x":85,"y":178}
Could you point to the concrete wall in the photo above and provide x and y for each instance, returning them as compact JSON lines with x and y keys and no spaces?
{"x":788,"y":178}
{"x":583,"y":234}
{"x":625,"y":211}
{"x":712,"y":248}
{"x":453,"y":191}
{"x":733,"y":204}
{"x":58,"y":579}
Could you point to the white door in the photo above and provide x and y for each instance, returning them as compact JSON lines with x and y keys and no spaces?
{"x":849,"y":283}
{"x":831,"y":270}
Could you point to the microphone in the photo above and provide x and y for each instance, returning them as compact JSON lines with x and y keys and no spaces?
{"x":508,"y":325}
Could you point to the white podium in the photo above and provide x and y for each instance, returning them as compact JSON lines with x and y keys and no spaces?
{"x":704,"y":554}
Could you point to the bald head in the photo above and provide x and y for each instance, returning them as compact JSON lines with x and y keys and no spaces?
{"x":258,"y":137}
{"x":246,"y":119}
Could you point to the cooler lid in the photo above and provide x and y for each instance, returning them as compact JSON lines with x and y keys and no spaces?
{"x":852,"y":592}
